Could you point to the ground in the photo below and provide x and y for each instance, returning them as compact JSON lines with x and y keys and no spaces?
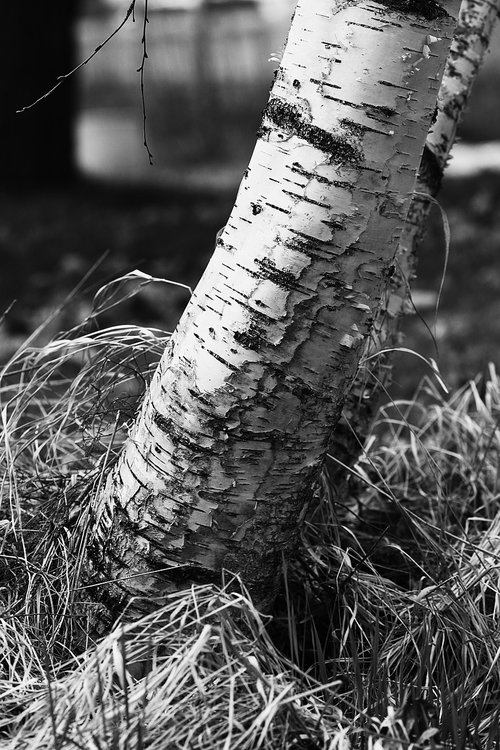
{"x":467,"y":326}
{"x":51,"y":240}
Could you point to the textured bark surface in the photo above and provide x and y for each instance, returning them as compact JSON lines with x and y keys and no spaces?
{"x":219,"y":465}
{"x":468,"y":48}
{"x":470,"y":43}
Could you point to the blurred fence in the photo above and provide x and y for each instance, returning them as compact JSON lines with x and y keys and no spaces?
{"x":207,"y":78}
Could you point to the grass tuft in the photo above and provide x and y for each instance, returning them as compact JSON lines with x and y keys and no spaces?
{"x":213,"y":680}
{"x":396,"y":589}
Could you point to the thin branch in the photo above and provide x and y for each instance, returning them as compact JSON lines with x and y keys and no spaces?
{"x":62,"y":78}
{"x":140,"y":70}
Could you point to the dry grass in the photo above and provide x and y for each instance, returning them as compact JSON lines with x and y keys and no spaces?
{"x":386,"y":632}
{"x":213,"y":680}
{"x":397,"y":591}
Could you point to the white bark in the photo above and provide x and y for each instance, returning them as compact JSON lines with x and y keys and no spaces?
{"x":219,"y":465}
{"x":470,"y":43}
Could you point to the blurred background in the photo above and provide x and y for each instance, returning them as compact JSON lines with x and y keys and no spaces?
{"x":81,"y":203}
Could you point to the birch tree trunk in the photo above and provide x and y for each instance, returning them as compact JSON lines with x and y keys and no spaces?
{"x":470,"y":43}
{"x":219,"y":465}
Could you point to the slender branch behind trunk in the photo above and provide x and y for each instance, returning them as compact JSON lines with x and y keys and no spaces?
{"x":219,"y":465}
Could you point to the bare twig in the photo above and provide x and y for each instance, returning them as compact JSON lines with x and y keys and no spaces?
{"x":62,"y":78}
{"x":140,"y":70}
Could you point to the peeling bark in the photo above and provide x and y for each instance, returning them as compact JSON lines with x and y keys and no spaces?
{"x":468,"y":48}
{"x":219,"y":465}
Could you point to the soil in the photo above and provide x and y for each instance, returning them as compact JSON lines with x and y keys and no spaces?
{"x":54,"y":241}
{"x":464,"y":336}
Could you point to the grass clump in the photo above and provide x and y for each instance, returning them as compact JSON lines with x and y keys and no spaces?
{"x":66,"y":406}
{"x":396,"y":590}
{"x":386,"y":631}
{"x":213,"y":679}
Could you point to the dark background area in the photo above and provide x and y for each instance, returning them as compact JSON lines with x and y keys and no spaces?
{"x":77,"y":190}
